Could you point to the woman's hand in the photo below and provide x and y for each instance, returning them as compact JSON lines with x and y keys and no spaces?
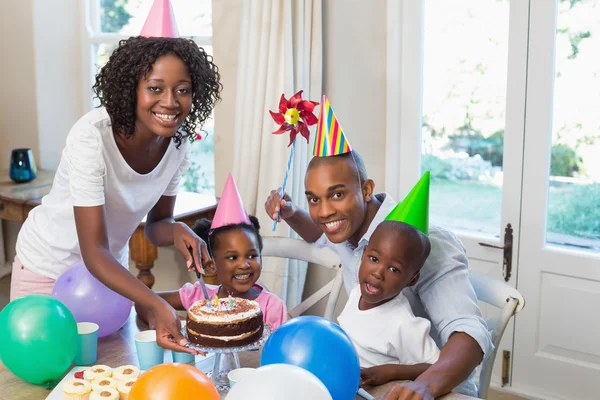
{"x":168,"y":329}
{"x":185,"y":239}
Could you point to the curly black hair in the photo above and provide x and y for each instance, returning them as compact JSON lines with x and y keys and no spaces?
{"x":202,"y":229}
{"x":116,"y":83}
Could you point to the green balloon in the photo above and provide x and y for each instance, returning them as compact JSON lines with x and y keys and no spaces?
{"x":38,"y":338}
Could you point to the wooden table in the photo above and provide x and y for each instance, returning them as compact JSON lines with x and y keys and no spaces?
{"x":16,"y":200}
{"x":119,"y":349}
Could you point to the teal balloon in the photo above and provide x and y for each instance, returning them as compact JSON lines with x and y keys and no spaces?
{"x":38,"y":338}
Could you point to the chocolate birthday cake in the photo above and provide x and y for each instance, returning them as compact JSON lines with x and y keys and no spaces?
{"x":226,"y":322}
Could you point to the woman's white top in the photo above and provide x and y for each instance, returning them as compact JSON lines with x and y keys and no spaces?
{"x":92,"y":172}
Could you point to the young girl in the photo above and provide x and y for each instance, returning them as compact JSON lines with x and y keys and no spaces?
{"x":123,"y":161}
{"x":235,"y":255}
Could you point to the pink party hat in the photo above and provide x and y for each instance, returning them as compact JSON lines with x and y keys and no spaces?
{"x":160,"y":21}
{"x":230,"y":209}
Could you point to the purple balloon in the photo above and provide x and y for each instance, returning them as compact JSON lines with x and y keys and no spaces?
{"x":90,"y":300}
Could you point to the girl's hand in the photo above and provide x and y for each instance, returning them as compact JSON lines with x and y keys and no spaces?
{"x":168,"y":329}
{"x":184,"y":239}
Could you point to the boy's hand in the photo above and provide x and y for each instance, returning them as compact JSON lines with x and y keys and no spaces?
{"x":409,"y":391}
{"x":375,"y":376}
{"x":275,"y":204}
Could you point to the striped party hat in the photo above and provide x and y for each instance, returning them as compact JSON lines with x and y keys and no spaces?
{"x":329,"y":139}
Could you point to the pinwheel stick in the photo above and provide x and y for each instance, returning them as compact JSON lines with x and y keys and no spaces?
{"x":285,"y":178}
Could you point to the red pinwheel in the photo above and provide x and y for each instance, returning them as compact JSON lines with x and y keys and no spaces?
{"x":295,"y":115}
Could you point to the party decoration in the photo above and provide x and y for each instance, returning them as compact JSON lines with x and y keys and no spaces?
{"x":319,"y":346}
{"x":38,"y":338}
{"x":173,"y":381}
{"x":230,"y":209}
{"x":295,"y":115}
{"x":90,"y":300}
{"x":279,"y":381}
{"x":160,"y":21}
{"x":414,"y":208}
{"x":330,"y":139}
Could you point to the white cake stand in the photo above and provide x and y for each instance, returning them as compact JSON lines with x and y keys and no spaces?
{"x":226,"y":358}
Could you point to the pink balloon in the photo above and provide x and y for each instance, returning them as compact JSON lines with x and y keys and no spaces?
{"x":90,"y":300}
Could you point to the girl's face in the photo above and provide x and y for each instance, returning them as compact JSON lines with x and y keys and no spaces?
{"x":164,"y":97}
{"x":237,"y":260}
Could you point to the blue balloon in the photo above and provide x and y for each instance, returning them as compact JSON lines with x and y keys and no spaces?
{"x":319,"y":346}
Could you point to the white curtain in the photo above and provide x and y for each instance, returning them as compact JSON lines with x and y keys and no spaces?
{"x":280,"y":52}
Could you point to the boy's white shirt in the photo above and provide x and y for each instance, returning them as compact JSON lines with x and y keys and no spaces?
{"x":389,"y":333}
{"x":92,"y":172}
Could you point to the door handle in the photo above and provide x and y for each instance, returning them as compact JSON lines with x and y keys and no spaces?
{"x":507,"y":247}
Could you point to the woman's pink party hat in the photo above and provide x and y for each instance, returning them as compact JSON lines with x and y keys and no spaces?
{"x":230,"y":209}
{"x":160,"y":21}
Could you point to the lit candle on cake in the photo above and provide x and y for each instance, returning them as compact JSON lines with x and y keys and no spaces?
{"x":230,"y":302}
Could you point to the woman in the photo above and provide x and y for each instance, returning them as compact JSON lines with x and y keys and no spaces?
{"x":121,"y":162}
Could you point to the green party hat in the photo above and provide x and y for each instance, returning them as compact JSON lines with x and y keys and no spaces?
{"x":414,"y":208}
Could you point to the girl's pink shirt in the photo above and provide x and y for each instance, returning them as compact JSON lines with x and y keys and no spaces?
{"x":273,"y":308}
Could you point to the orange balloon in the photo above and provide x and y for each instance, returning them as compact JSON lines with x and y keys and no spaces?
{"x":173,"y":381}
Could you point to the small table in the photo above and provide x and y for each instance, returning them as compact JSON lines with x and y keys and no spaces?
{"x":119,"y":349}
{"x":16,"y":200}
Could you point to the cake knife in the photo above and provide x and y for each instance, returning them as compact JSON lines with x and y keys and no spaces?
{"x":199,"y":275}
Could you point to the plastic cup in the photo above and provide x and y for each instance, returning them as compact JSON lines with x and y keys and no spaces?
{"x":87,"y":343}
{"x":148,"y":351}
{"x":236,"y":375}
{"x":184,"y":358}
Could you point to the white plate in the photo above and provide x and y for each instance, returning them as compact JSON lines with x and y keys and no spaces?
{"x":57,"y":393}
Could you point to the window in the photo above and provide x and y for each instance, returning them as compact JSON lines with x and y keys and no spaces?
{"x":109,"y":21}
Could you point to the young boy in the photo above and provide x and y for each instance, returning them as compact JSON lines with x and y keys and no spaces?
{"x":344,"y":212}
{"x":392,"y":343}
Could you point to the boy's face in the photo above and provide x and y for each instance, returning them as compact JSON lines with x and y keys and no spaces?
{"x":336,"y":201}
{"x":389,"y":264}
{"x":237,"y":259}
{"x":164,"y":97}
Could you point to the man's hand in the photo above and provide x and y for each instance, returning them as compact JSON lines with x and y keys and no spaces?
{"x":275,"y":205}
{"x":409,"y":391}
{"x":375,"y":376}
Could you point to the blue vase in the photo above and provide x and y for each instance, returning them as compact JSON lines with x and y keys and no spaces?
{"x":22,"y":166}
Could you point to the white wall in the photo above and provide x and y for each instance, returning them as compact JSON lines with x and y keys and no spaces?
{"x":18,"y":105}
